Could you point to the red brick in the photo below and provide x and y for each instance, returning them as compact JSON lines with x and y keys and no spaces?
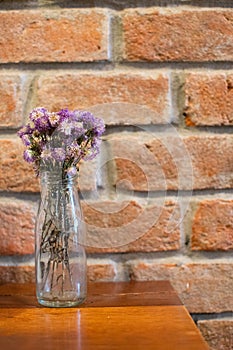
{"x":98,"y":271}
{"x":178,"y":35}
{"x":17,"y":274}
{"x":120,"y":98}
{"x":17,"y":175}
{"x":203,"y":286}
{"x":212,"y":160}
{"x":218,"y":333}
{"x":17,"y":227}
{"x":208,"y":99}
{"x":136,"y":165}
{"x":146,"y":163}
{"x":213,"y":225}
{"x":53,"y":36}
{"x":131,"y":227}
{"x":12,"y":96}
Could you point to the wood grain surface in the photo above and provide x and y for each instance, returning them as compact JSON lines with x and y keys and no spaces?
{"x":136,"y":315}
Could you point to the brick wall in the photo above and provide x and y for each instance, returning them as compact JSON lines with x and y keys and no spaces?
{"x":158,"y":201}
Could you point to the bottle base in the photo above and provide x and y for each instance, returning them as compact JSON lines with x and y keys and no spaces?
{"x":60,"y":302}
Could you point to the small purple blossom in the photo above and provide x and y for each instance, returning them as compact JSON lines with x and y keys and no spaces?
{"x":92,"y":153}
{"x":38,"y":113}
{"x":26,"y":139}
{"x":99,"y":128}
{"x":74,"y":150}
{"x":87,"y":119}
{"x":25,"y":130}
{"x":42,"y":124}
{"x":90,"y":122}
{"x":78,"y":129}
{"x":66,"y":114}
{"x":72,"y":171}
{"x":59,"y":154}
{"x":54,"y":119}
{"x":29,"y":156}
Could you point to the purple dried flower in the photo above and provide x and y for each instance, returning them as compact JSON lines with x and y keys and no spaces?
{"x":59,"y":154}
{"x":54,"y":119}
{"x":63,"y":136}
{"x":72,"y":171}
{"x":65,"y":114}
{"x":25,"y":130}
{"x":29,"y":156}
{"x":87,"y":119}
{"x":26,"y":140}
{"x":38,"y":113}
{"x":92,"y":153}
{"x":99,"y":128}
{"x":78,"y":129}
{"x":74,"y":151}
{"x":42,"y":124}
{"x":90,"y":122}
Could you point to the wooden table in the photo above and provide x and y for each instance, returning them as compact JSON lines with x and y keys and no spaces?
{"x":125,"y":315}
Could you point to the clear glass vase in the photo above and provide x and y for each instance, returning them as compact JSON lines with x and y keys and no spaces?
{"x":60,"y":243}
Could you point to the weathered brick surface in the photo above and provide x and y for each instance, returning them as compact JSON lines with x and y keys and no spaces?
{"x":178,"y":35}
{"x":101,"y":271}
{"x":212,"y":227}
{"x":202,"y":286}
{"x":121,"y":98}
{"x":131,"y":227}
{"x":208,"y":99}
{"x":53,"y":36}
{"x":17,"y":227}
{"x":88,"y":176}
{"x":17,"y":274}
{"x":17,"y":175}
{"x":218,"y":333}
{"x":139,"y":167}
{"x":146,"y":163}
{"x":212,"y":161}
{"x":12,"y":97}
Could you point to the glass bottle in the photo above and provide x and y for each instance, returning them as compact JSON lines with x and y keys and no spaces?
{"x":60,"y":258}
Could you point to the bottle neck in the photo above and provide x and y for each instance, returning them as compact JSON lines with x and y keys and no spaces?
{"x":59,"y":179}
